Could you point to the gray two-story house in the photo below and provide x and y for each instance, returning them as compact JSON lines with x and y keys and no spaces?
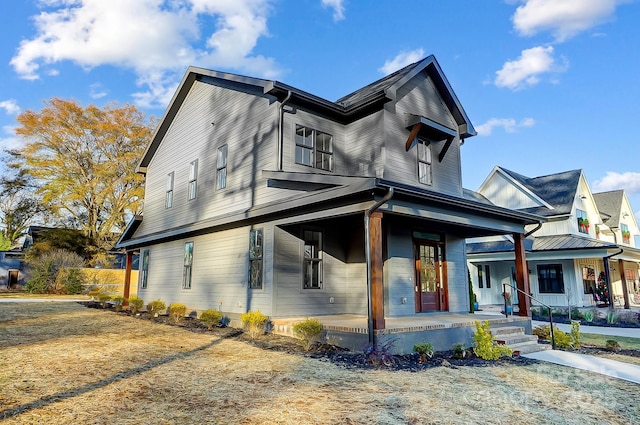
{"x":260,"y":196}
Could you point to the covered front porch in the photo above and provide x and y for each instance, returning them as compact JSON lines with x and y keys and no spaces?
{"x":442,"y":329}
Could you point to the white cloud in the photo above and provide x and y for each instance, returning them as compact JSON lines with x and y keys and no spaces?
{"x":628,"y":181}
{"x":11,"y":142}
{"x":565,"y":18}
{"x":509,"y":125}
{"x":401,"y":60}
{"x":157,"y":39}
{"x":338,"y":8}
{"x":96,"y":91}
{"x":10,"y":106}
{"x":527,"y":69}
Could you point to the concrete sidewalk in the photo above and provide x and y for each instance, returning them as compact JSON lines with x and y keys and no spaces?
{"x":613,"y":368}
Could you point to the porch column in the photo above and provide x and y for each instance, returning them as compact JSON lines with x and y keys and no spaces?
{"x":607,"y":276}
{"x":522,"y":276}
{"x":377,"y":288}
{"x":625,"y":292}
{"x":127,"y":277}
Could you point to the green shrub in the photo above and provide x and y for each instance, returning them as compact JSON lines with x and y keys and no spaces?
{"x":544,"y":312}
{"x":56,"y":272}
{"x":612,"y":317}
{"x":309,"y":331}
{"x":254,"y":322}
{"x":177,"y":312}
{"x":118,"y":300}
{"x":156,"y":307}
{"x":459,"y":351}
{"x":542,"y":332}
{"x":576,"y":314}
{"x":103,"y":299}
{"x":588,"y":316}
{"x":485,"y":347}
{"x":425,"y":350}
{"x":613,"y":345}
{"x":135,"y":304}
{"x":211,"y":318}
{"x":575,"y":334}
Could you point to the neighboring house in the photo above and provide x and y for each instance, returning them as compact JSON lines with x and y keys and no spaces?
{"x":585,"y":234}
{"x":260,"y":196}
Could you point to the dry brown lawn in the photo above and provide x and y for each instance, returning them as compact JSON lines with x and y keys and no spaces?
{"x":62,"y":363}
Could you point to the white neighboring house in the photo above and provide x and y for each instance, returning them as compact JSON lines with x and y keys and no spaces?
{"x":585,"y":234}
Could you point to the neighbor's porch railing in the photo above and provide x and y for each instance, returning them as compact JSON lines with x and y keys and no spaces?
{"x":553,"y":341}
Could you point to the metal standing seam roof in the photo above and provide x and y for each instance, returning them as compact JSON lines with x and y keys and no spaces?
{"x":541,"y":243}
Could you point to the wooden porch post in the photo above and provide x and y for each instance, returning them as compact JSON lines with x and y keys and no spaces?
{"x":522,"y":275}
{"x":625,"y":292}
{"x":377,"y":288}
{"x":127,"y":277}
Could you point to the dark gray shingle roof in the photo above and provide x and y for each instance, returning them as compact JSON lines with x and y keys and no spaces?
{"x":610,"y":203}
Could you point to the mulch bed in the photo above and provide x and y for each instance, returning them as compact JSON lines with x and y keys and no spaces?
{"x":326,"y":352}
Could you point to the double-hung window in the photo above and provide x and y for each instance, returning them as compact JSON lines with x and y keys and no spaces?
{"x":424,"y":162}
{"x":193,"y":179}
{"x":221,"y":167}
{"x":484,"y":276}
{"x":144,"y":268}
{"x":168,"y":198}
{"x":255,"y":259}
{"x":312,"y":273}
{"x":314,"y":148}
{"x":550,"y":279}
{"x":187,"y":265}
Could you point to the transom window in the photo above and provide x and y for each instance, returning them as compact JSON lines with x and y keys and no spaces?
{"x":550,"y":280}
{"x":312,"y":273}
{"x":187,"y":265}
{"x":314,"y":148}
{"x":221,"y":167}
{"x":255,"y":259}
{"x":168,"y":199}
{"x":583,"y":221}
{"x":424,"y":161}
{"x":193,"y":179}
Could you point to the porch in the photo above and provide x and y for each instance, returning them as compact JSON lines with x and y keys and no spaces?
{"x":441,"y":329}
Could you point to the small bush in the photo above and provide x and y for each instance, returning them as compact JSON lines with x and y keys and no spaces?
{"x":177,"y":312}
{"x":156,"y":307}
{"x":575,"y":335}
{"x":612,"y":317}
{"x":135,"y":304}
{"x":588,"y":316}
{"x":254,"y":322}
{"x":425,"y":350}
{"x":576,"y":314}
{"x":380,"y":355}
{"x":485,"y":347}
{"x":103,"y":299}
{"x":542,"y":332}
{"x":544,"y":312}
{"x":629,"y":317}
{"x":309,"y":331}
{"x":118,"y":300}
{"x":460,"y":352}
{"x":211,"y":318}
{"x":613,"y":345}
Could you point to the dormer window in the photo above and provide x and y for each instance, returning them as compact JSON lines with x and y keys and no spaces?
{"x":314,"y":148}
{"x":583,"y":221}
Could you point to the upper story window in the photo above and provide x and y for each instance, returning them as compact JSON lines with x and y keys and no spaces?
{"x":314,"y":148}
{"x":168,"y":199}
{"x":221,"y":167}
{"x":550,"y":279}
{"x":193,"y":179}
{"x":626,"y":235}
{"x":583,"y":221}
{"x":312,"y":273}
{"x":424,"y":161}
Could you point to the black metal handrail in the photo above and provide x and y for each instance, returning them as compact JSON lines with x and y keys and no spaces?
{"x":553,"y":341}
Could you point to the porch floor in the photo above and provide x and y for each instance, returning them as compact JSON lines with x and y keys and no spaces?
{"x":352,"y":323}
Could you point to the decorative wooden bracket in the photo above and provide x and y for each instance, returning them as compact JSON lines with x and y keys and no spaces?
{"x":445,"y":148}
{"x":412,"y":136}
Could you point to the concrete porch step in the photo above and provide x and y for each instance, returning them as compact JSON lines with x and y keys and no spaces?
{"x":507,"y":330}
{"x":516,"y":339}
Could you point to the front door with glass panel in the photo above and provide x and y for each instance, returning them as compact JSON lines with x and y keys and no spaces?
{"x":429,"y":282}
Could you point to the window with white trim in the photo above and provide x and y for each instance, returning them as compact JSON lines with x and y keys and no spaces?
{"x":168,"y":198}
{"x":424,"y":162}
{"x":193,"y":179}
{"x":312,"y":264}
{"x":314,"y":148}
{"x":583,"y":221}
{"x":187,"y":265}
{"x":221,"y":168}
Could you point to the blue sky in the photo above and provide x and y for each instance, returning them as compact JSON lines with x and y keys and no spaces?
{"x":550,"y":85}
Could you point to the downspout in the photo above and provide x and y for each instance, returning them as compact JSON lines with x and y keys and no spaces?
{"x":367,"y":255}
{"x":281,"y":129}
{"x":607,"y":275}
{"x":532,"y":231}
